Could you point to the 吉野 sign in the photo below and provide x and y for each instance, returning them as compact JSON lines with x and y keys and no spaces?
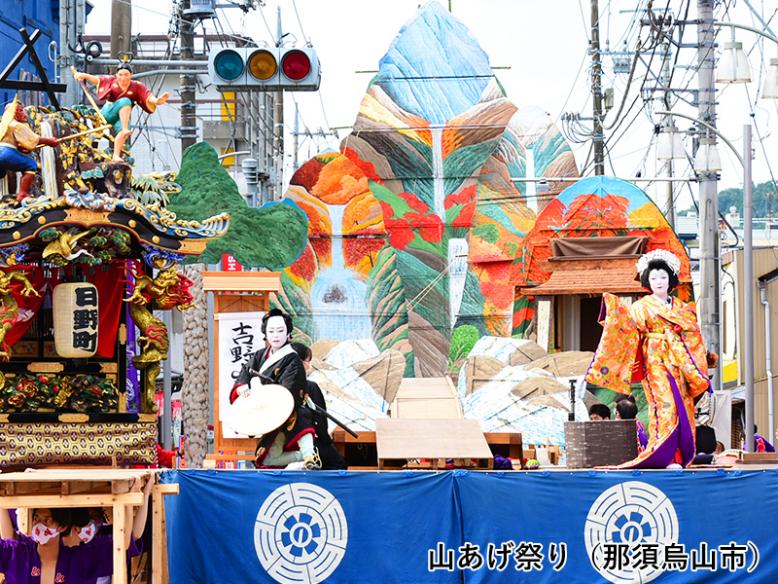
{"x":240,"y":336}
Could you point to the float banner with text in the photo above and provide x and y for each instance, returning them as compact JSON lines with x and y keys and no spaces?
{"x":454,"y":526}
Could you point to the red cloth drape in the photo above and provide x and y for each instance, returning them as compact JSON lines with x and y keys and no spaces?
{"x":28,"y":305}
{"x":110,"y":285}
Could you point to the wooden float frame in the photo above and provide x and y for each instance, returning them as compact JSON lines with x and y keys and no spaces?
{"x":78,"y":487}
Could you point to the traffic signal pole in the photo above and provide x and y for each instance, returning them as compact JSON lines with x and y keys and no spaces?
{"x":278,"y":127}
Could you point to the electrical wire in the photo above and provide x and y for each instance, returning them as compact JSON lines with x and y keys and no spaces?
{"x":267,"y":26}
{"x":300,"y":23}
{"x":180,"y":19}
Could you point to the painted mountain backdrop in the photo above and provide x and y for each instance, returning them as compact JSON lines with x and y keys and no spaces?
{"x":417,"y":225}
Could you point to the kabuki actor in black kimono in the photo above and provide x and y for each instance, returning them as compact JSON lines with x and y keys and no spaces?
{"x":278,"y":363}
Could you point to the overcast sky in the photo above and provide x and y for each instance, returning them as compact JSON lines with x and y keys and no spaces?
{"x":544,"y":42}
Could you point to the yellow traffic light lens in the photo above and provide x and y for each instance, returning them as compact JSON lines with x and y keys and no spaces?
{"x":262,"y":65}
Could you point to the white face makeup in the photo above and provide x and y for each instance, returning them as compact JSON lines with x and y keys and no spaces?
{"x":659,"y":281}
{"x":276,"y":333}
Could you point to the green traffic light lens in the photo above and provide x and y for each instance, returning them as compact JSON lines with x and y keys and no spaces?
{"x":228,"y":65}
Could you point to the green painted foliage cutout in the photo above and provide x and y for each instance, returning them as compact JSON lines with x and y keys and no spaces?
{"x":272,"y":236}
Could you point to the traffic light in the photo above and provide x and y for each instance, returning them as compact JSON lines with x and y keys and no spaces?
{"x":265,"y":69}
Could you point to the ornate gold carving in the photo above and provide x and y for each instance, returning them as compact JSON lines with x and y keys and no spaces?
{"x":43,"y":367}
{"x":74,"y":418}
{"x":16,"y":235}
{"x":168,"y":290}
{"x":193,"y":246}
{"x":9,"y":309}
{"x":109,"y":367}
{"x":86,"y":216}
{"x":64,"y":246}
{"x":41,"y":220}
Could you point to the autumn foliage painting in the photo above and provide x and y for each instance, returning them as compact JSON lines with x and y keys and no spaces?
{"x":422,"y":227}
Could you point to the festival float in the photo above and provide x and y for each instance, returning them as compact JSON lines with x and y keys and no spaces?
{"x":88,"y":255}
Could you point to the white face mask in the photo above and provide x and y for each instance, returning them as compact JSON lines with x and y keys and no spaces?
{"x":88,"y":532}
{"x":42,"y":534}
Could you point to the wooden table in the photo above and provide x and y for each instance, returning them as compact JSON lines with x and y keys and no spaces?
{"x":509,"y":443}
{"x":48,"y":488}
{"x":403,"y":439}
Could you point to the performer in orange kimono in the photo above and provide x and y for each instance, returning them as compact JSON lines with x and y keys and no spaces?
{"x":655,"y":340}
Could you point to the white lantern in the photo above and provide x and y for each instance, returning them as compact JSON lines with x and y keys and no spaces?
{"x":76,"y":317}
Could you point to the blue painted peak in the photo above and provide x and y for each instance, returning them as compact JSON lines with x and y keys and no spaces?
{"x":434,"y":68}
{"x":600,"y":186}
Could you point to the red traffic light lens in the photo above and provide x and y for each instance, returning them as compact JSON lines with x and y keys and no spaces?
{"x":296,"y":65}
{"x":228,"y":65}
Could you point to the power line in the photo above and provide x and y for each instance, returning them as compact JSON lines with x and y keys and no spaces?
{"x":300,"y":23}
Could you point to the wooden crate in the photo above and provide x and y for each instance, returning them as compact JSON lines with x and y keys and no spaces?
{"x":600,"y":443}
{"x":758,"y":457}
{"x":401,"y":439}
{"x":426,"y":398}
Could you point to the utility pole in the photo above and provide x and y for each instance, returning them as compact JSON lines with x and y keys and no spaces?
{"x":121,"y":28}
{"x":187,"y":81}
{"x":707,"y":181}
{"x":597,"y":135}
{"x":278,"y":126}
